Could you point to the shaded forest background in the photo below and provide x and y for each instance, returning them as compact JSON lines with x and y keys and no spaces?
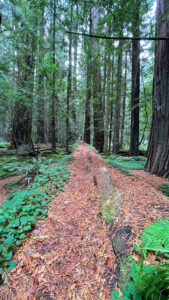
{"x":58,"y":87}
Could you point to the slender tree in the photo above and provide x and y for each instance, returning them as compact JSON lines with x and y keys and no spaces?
{"x":116,"y":138}
{"x":111,"y":103}
{"x":107,"y":99}
{"x":98,"y":140}
{"x":124,"y":101}
{"x":135,"y":93}
{"x":69,"y":84}
{"x":22,"y":116}
{"x":53,"y":104}
{"x":41,"y":84}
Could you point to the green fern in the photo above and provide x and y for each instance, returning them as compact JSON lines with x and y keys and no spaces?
{"x":155,"y":237}
{"x":165,"y":189}
{"x":126,"y":163}
{"x":149,"y":282}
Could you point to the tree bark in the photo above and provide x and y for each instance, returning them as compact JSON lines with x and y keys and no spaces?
{"x":124,"y":102}
{"x":135,"y":93}
{"x":116,"y":142}
{"x":88,"y":87}
{"x":105,"y":103}
{"x":22,"y":116}
{"x":69,"y":85}
{"x":111,"y":104}
{"x":158,"y":150}
{"x":41,"y":86}
{"x":74,"y":83}
{"x":53,"y":122}
{"x":98,"y":140}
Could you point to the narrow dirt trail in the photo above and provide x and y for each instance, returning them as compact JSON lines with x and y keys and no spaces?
{"x":65,"y":257}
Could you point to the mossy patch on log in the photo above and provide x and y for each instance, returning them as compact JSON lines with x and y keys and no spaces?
{"x":111,"y":200}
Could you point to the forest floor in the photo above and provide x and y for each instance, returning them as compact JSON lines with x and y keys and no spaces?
{"x":3,"y":192}
{"x":69,"y":255}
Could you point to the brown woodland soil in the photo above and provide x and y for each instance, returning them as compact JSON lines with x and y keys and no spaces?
{"x":69,"y":255}
{"x":3,"y":193}
{"x":152,"y":180}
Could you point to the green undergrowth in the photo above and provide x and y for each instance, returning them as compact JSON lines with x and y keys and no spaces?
{"x":25,"y":207}
{"x":11,"y":165}
{"x":14,"y":165}
{"x":149,"y":282}
{"x":74,"y":146}
{"x":12,"y":186}
{"x":125,"y":163}
{"x":91,"y":147}
{"x":156,"y":236}
{"x":4,"y":144}
{"x":165,"y":189}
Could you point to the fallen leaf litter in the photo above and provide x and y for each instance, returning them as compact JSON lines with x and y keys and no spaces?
{"x":69,"y":255}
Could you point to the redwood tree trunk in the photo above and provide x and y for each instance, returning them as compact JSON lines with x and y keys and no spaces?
{"x":111,"y":103}
{"x":158,"y":150}
{"x":41,"y":85}
{"x":88,"y":88}
{"x":98,"y":139}
{"x":22,"y":114}
{"x":124,"y":102}
{"x":135,"y":93}
{"x":116,"y":142}
{"x":69,"y":86}
{"x":53,"y":121}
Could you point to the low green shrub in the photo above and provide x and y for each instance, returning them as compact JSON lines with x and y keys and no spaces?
{"x":21,"y":165}
{"x":15,"y":165}
{"x":19,"y":215}
{"x":74,"y":146}
{"x":4,"y":144}
{"x":126,"y":163}
{"x":149,"y":282}
{"x":165,"y":189}
{"x":91,"y":147}
{"x":155,"y":237}
{"x":12,"y":186}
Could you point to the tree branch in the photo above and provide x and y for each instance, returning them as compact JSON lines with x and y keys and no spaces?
{"x":158,"y":38}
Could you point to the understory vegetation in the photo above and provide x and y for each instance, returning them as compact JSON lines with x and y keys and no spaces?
{"x":25,"y":207}
{"x":149,"y":282}
{"x":165,"y":189}
{"x":96,"y":71}
{"x":20,"y":163}
{"x":125,"y":163}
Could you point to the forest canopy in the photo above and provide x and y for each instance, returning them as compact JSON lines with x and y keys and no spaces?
{"x":57,"y":86}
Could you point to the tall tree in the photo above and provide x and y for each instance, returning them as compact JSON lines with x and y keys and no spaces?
{"x":111,"y":103}
{"x":135,"y":93}
{"x":116,"y":137}
{"x":41,"y":85}
{"x":158,"y":150}
{"x":22,"y":116}
{"x":69,"y":84}
{"x":88,"y":86}
{"x":124,"y":101}
{"x":53,"y":104}
{"x":107,"y":98}
{"x":75,"y":74}
{"x":98,"y":139}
